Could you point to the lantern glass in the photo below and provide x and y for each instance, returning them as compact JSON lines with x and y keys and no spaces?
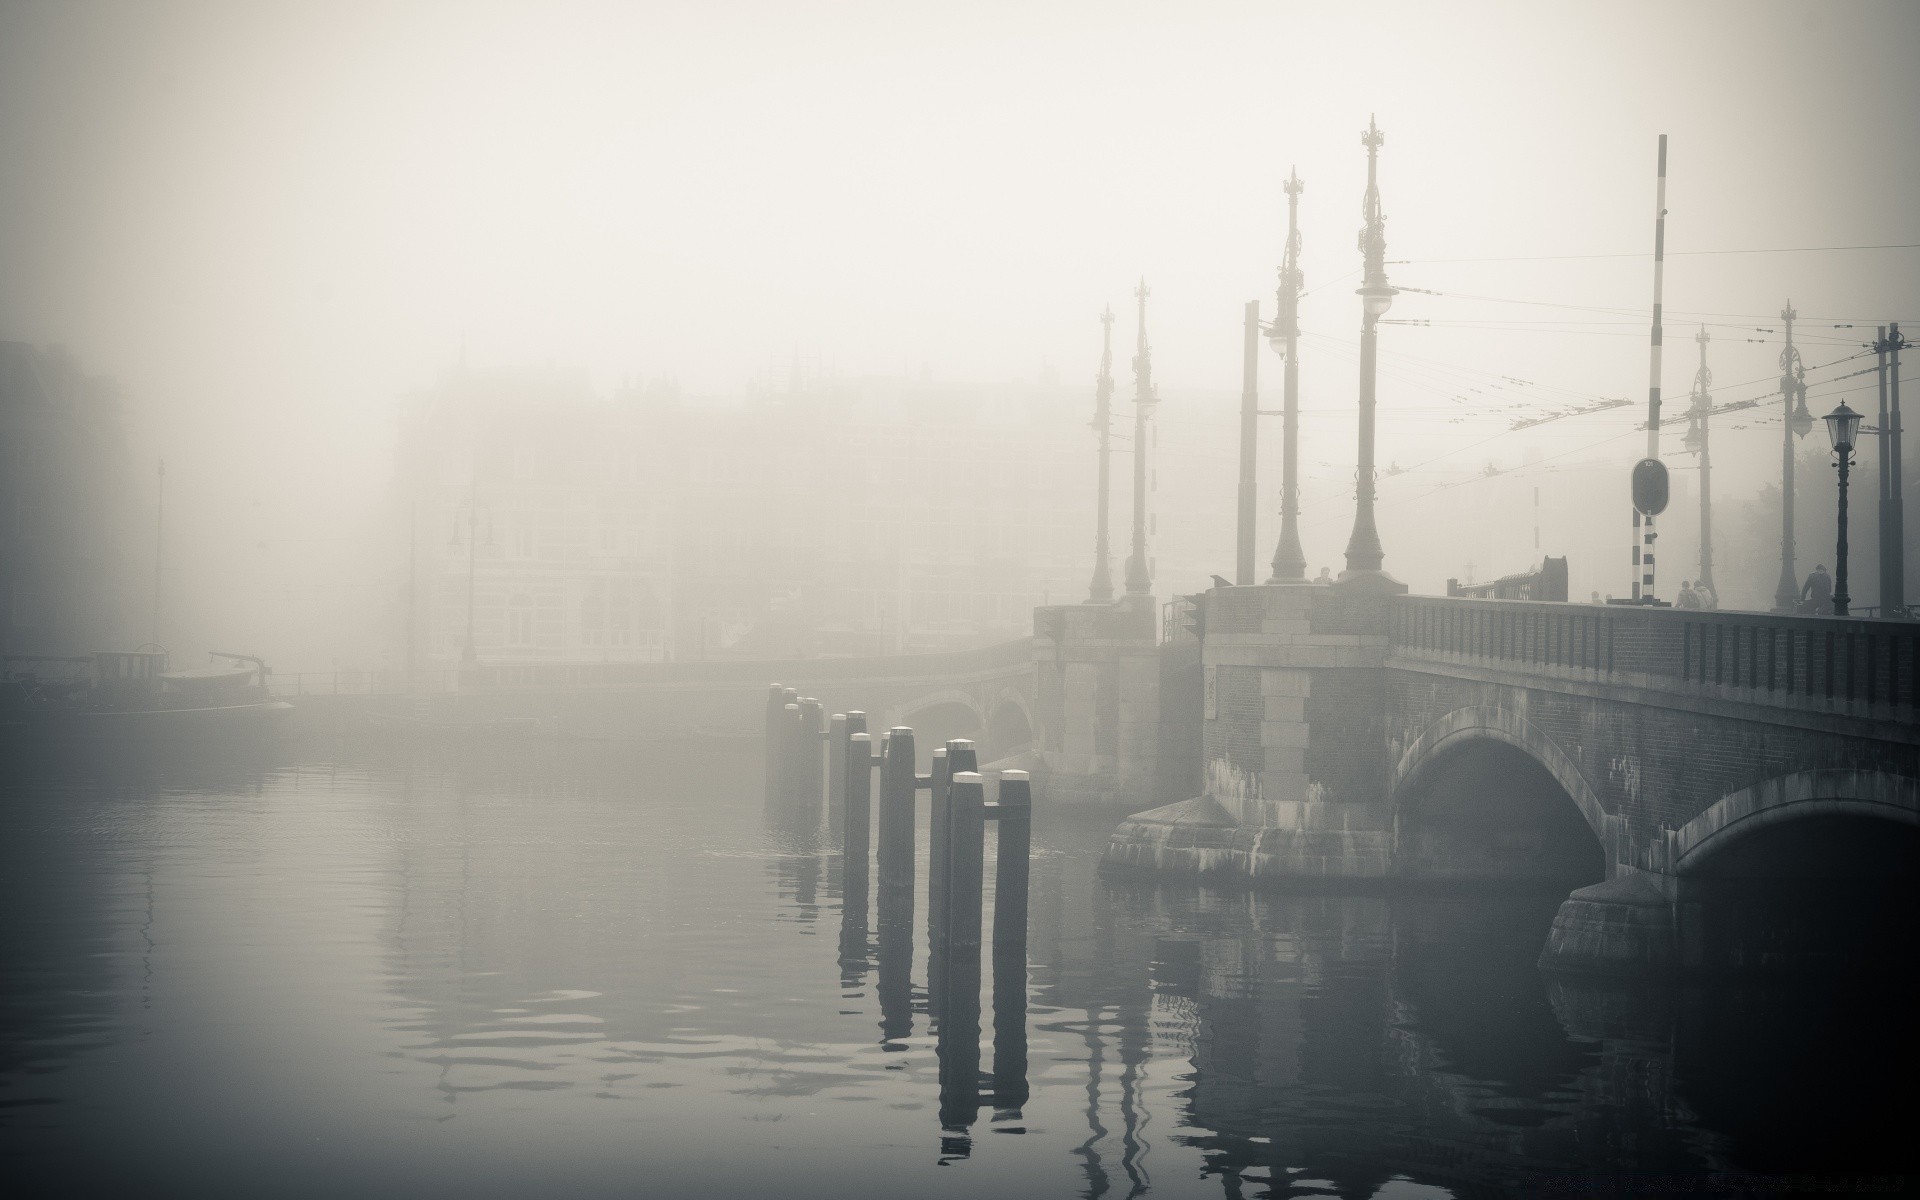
{"x":1842,"y":425}
{"x":1802,"y":420}
{"x":1378,"y":300}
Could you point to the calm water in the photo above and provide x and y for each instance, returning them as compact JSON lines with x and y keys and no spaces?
{"x":563,"y":972}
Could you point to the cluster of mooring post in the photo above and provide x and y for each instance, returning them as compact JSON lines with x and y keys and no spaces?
{"x":800,"y":747}
{"x":796,"y":753}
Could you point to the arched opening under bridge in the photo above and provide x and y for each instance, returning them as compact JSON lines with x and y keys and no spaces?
{"x":935,"y":724}
{"x":1008,"y":732}
{"x":1826,"y":891}
{"x":1482,"y":810}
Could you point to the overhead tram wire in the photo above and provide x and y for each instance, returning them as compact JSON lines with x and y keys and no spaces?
{"x":1618,"y":310}
{"x":1403,"y":262}
{"x":1749,"y":417}
{"x":1479,"y":374}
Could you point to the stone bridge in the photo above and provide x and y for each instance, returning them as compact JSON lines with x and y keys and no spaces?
{"x":1712,"y":777}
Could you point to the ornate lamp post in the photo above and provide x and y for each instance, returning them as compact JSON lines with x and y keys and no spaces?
{"x":1102,"y":590}
{"x":1289,"y":563}
{"x":1139,"y":579}
{"x":1795,"y":422}
{"x":1843,"y":424}
{"x":1699,"y":427}
{"x":1364,"y":555}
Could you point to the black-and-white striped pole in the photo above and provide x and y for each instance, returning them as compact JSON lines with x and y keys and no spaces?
{"x":1643,"y":522}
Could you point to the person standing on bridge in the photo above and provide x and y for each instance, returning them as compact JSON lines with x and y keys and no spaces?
{"x":1816,"y":595}
{"x":1688,"y":598}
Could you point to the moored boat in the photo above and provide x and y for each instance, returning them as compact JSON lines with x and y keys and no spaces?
{"x":132,"y":692}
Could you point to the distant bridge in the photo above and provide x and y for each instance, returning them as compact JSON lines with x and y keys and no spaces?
{"x":986,"y":694}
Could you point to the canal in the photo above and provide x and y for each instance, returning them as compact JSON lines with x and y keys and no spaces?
{"x":595,"y":970}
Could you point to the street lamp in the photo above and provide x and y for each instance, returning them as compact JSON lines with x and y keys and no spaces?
{"x":1377,"y":296}
{"x":1364,"y":554}
{"x":1289,"y":563}
{"x":1796,"y":421}
{"x":1843,"y":424}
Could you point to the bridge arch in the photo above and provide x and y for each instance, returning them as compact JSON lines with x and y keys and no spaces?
{"x":1500,"y":725}
{"x":1739,"y":815}
{"x":938,"y":716}
{"x":1009,"y":725}
{"x":1492,"y":759}
{"x":1813,"y":870}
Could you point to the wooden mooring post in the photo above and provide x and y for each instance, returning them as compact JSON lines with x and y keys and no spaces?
{"x":958,"y":948}
{"x":810,"y":748}
{"x":857,"y":839}
{"x":897,"y":783}
{"x":801,"y":745}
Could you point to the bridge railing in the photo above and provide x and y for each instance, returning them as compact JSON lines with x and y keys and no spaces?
{"x":1836,"y":664}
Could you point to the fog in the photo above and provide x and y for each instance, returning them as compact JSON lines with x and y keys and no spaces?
{"x":790,"y":312}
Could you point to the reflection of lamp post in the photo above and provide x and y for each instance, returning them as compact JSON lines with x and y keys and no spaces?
{"x":1289,"y":563}
{"x":1842,"y":425}
{"x":1363,"y":547}
{"x":1795,"y":421}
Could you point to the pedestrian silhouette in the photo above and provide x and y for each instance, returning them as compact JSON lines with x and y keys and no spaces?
{"x":1816,"y":595}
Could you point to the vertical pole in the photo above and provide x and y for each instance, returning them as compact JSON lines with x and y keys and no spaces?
{"x":1364,"y":554}
{"x":895,"y":946}
{"x":811,"y":756}
{"x":1643,"y":587}
{"x":1249,"y":443}
{"x":937,"y":828}
{"x":1289,"y":563}
{"x":1014,"y":810}
{"x":1139,"y":578}
{"x":789,"y":787}
{"x":959,"y":755}
{"x":1102,"y":590}
{"x":836,"y":769}
{"x":1703,"y":416}
{"x":857,"y":839}
{"x":1786,"y":593}
{"x":1893,"y":534}
{"x":1843,"y":460}
{"x":776,"y":711}
{"x":966,"y":854}
{"x":896,"y":814}
{"x":960,"y":1009}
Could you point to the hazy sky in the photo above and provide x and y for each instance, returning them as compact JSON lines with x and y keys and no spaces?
{"x":270,"y":220}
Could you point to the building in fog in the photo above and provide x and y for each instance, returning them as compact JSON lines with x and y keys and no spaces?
{"x":862,"y":518}
{"x":66,"y":489}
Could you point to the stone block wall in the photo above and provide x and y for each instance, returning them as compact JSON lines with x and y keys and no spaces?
{"x":1097,"y":671}
{"x":1296,"y":705}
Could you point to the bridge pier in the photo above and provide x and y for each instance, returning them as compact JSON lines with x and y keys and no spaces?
{"x":1647,"y":760}
{"x":1097,"y":718}
{"x":1294,"y":772}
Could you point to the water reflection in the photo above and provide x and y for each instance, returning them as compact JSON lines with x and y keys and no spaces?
{"x":515,"y":971}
